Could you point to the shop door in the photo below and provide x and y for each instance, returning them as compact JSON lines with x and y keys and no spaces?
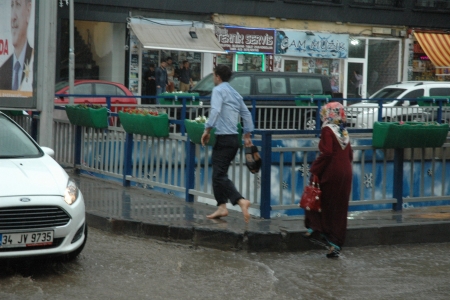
{"x":292,"y":65}
{"x":356,"y":79}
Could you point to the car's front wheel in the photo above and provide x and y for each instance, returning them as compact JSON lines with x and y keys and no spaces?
{"x":310,"y":121}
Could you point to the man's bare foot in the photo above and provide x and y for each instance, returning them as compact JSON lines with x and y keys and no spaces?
{"x":220,"y":212}
{"x":245,"y":204}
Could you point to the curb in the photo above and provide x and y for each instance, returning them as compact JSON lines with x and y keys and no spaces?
{"x":283,"y":241}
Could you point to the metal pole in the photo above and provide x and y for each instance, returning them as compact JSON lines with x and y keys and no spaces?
{"x":71,"y":53}
{"x":266,"y":145}
{"x":398,"y":179}
{"x":45,"y":78}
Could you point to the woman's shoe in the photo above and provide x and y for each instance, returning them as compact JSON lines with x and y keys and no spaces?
{"x":334,"y":253}
{"x":335,"y":250}
{"x":308,"y":233}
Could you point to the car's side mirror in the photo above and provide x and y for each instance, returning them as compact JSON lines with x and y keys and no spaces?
{"x":48,"y":151}
{"x":406,"y":103}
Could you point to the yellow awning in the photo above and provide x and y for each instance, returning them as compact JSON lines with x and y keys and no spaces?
{"x":436,"y":47}
{"x":176,"y":38}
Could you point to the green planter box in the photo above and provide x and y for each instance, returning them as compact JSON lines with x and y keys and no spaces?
{"x":88,"y":117}
{"x":421,"y":101}
{"x":409,"y":135}
{"x":175,"y":98}
{"x":157,"y":126}
{"x":13,"y":113}
{"x":305,"y":100}
{"x":195,"y":132}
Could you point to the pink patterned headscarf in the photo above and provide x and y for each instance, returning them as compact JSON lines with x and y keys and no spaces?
{"x":333,"y":113}
{"x":333,"y":116}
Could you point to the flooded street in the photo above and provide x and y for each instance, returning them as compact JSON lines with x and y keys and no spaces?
{"x":122,"y":267}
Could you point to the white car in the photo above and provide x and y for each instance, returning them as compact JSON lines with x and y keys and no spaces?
{"x":399,"y":104}
{"x":42,"y":210}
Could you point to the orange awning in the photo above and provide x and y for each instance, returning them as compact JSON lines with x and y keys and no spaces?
{"x":436,"y":47}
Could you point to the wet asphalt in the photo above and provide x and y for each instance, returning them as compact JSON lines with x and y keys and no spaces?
{"x":125,"y":267}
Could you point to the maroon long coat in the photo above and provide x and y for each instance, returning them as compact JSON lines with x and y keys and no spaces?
{"x":334,"y":168}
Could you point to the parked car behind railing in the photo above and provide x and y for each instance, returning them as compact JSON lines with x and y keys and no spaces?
{"x":399,"y":103}
{"x":276,"y":90}
{"x":94,"y":87}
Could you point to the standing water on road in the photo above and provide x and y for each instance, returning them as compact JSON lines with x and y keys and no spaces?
{"x":123,"y":267}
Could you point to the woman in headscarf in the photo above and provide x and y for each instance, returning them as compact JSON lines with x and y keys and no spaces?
{"x":333,"y":167}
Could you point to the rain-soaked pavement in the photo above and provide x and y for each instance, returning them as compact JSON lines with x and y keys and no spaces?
{"x":147,"y":213}
{"x":124,"y":267}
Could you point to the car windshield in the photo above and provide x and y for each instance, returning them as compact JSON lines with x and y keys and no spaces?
{"x":205,"y":86}
{"x":388,"y":93}
{"x":60,"y":85}
{"x":14,"y":143}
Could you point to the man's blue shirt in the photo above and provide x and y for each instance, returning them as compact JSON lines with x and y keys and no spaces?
{"x":226,"y":106}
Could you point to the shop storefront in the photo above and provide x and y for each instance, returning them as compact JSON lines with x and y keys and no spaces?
{"x":377,"y":59}
{"x":154,"y":40}
{"x":249,"y":49}
{"x":312,"y":52}
{"x":429,"y":57}
{"x":341,"y":57}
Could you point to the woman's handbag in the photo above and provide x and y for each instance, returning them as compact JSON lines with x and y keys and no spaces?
{"x":311,"y":196}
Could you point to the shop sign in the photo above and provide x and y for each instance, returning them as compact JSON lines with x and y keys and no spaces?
{"x":241,"y":39}
{"x":316,"y":44}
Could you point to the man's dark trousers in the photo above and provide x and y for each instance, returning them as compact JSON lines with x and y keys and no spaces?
{"x":224,"y":151}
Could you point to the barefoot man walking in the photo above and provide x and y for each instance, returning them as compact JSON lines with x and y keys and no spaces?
{"x":226,"y":107}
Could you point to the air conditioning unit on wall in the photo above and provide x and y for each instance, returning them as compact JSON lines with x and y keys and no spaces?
{"x":381,"y":30}
{"x":399,"y":32}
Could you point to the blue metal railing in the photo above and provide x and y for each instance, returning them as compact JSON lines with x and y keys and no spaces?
{"x":266,"y":151}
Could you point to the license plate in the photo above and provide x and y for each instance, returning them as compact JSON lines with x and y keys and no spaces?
{"x":26,"y":239}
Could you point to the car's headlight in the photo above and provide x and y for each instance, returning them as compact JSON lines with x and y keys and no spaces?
{"x":71,"y":194}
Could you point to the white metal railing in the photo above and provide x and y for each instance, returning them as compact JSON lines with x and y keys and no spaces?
{"x":247,"y":184}
{"x":102,"y":151}
{"x":292,"y":174}
{"x":160,"y":163}
{"x":64,"y":142}
{"x":432,"y":166}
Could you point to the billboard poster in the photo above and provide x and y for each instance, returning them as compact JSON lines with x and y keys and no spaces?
{"x":311,"y":44}
{"x":242,"y":39}
{"x":17,"y":52}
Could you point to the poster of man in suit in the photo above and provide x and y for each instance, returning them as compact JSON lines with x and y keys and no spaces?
{"x":17,"y":28}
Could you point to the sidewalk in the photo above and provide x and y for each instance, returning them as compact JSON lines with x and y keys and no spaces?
{"x":139,"y":212}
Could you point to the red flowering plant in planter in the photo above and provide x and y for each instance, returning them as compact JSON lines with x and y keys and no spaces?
{"x":145,"y":122}
{"x":141,"y":111}
{"x":88,"y":115}
{"x":89,"y":105}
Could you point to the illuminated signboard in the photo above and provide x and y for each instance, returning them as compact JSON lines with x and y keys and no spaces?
{"x":243,"y":39}
{"x":312,"y":44}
